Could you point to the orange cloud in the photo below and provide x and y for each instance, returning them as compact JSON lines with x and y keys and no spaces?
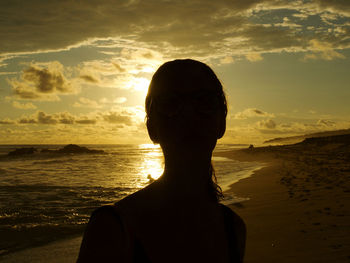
{"x":252,"y":112}
{"x":7,"y":121}
{"x":322,"y":50}
{"x":42,"y":83}
{"x":23,"y":106}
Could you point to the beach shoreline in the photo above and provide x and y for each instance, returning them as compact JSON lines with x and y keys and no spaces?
{"x":30,"y":251}
{"x":297,"y":207}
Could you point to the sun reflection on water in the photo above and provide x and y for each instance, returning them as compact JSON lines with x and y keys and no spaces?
{"x":151,"y":167}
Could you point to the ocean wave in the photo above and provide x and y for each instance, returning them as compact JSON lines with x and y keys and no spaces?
{"x":44,"y":196}
{"x":21,"y":237}
{"x":54,"y":161}
{"x":33,"y":214}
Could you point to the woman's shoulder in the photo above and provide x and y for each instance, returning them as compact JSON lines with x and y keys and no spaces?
{"x":236,"y":230}
{"x":104,"y":211}
{"x":142,"y":201}
{"x":230,"y":214}
{"x":103,"y":235}
{"x":233,"y":219}
{"x":104,"y":220}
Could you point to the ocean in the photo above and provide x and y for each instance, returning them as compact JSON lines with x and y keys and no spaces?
{"x":46,"y":197}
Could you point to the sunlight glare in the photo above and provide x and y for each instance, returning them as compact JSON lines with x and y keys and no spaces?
{"x":152,"y":164}
{"x":140,"y":84}
{"x":149,"y":145}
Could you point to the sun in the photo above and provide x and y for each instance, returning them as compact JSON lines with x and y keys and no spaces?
{"x":140,"y":84}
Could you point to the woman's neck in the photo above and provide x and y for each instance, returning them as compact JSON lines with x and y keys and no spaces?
{"x":187,"y":173}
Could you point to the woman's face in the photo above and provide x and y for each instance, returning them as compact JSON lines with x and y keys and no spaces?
{"x":188,"y":116}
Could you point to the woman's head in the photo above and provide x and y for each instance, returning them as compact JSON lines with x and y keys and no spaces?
{"x":185,"y":104}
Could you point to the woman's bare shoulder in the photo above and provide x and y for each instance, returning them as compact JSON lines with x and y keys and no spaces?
{"x":103,"y":235}
{"x":146,"y":199}
{"x":237,"y":227}
{"x":233,"y":216}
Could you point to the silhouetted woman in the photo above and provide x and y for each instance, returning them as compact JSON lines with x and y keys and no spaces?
{"x":178,"y":217}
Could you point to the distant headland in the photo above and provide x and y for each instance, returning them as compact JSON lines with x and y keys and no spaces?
{"x":299,"y":138}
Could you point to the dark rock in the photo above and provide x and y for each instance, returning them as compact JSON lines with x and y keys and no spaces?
{"x":22,"y":151}
{"x":68,"y":149}
{"x":73,"y":148}
{"x":46,"y":151}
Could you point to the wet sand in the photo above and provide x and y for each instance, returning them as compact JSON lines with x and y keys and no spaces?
{"x":299,"y":205}
{"x":56,"y":252}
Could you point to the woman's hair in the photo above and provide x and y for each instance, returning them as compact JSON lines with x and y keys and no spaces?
{"x":186,"y":73}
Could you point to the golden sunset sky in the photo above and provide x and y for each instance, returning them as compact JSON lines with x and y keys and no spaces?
{"x":78,"y":71}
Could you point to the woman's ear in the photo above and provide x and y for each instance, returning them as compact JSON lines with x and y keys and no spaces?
{"x":221,"y":126}
{"x":152,"y":130}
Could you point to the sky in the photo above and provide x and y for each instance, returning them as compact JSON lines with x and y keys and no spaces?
{"x":78,"y":71}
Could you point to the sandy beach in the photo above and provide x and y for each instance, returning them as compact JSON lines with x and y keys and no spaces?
{"x":298,"y":208}
{"x":56,"y":252}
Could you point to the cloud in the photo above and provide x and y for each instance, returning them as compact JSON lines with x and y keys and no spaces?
{"x":66,"y":118}
{"x":108,"y":73}
{"x":117,"y":118}
{"x":312,"y":111}
{"x":130,"y":117}
{"x":120,"y":100}
{"x":117,"y":100}
{"x":341,"y":7}
{"x":287,"y":23}
{"x":118,"y":67}
{"x":7,"y":73}
{"x":47,"y":80}
{"x":322,"y":50}
{"x":326,"y":123}
{"x":195,"y":28}
{"x":23,"y":106}
{"x":251,"y":113}
{"x":267,"y":124}
{"x":92,"y":22}
{"x":299,"y":127}
{"x":24,"y":92}
{"x":254,"y":57}
{"x":301,"y":16}
{"x":89,"y":78}
{"x":227,"y":60}
{"x":123,"y":117}
{"x":7,"y":121}
{"x":86,"y":121}
{"x":88,"y":103}
{"x":259,"y":39}
{"x":9,"y":131}
{"x":44,"y":118}
{"x":27,"y":120}
{"x":292,"y":128}
{"x":41,"y":117}
{"x":42,"y":83}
